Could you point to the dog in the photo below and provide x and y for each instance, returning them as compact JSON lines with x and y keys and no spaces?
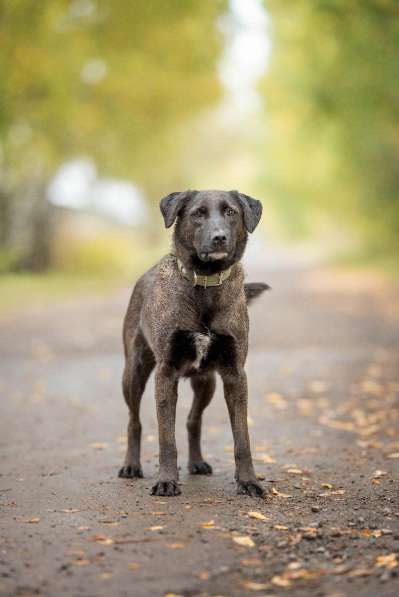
{"x":188,"y":317}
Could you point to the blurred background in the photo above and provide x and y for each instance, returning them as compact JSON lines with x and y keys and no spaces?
{"x":107,"y":105}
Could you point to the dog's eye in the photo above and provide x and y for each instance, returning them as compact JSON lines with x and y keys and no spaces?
{"x":199,"y":213}
{"x":229,"y":211}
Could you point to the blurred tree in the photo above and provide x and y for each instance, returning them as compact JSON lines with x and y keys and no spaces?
{"x":106,"y":78}
{"x":332,"y":96}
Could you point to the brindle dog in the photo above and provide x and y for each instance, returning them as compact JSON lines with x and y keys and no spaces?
{"x":188,"y":317}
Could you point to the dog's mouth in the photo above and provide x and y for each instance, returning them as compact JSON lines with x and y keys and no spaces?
{"x":212,"y":255}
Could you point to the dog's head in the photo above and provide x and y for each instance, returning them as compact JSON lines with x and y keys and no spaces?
{"x":212,"y":226}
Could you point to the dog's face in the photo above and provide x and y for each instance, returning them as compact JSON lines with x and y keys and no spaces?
{"x":211,"y":226}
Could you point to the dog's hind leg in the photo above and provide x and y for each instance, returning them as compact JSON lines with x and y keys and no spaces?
{"x":140,"y":362}
{"x":204,"y":388}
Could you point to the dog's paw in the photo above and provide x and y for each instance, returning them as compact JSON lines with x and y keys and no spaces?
{"x":251,"y":488}
{"x":166,"y":488}
{"x":131,"y":472}
{"x":200,"y":468}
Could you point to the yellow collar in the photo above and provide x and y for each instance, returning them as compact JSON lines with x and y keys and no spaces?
{"x":201,"y":280}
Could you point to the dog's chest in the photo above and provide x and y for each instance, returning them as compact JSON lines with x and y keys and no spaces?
{"x":193,"y":352}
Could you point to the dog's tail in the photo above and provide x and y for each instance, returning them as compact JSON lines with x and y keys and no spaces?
{"x":254,"y":289}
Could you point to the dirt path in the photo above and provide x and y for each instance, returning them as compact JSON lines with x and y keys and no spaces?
{"x":324,"y":386}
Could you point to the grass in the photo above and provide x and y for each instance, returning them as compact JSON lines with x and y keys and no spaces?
{"x":17,"y":291}
{"x":82,"y":267}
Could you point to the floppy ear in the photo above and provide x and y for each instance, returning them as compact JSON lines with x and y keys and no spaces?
{"x":170,"y":206}
{"x":251,"y":208}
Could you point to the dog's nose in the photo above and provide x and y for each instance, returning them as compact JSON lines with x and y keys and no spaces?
{"x":219,"y":239}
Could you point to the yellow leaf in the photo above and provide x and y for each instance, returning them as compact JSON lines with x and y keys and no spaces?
{"x":253,"y":586}
{"x":155,"y":528}
{"x":98,"y":446}
{"x":257,"y":515}
{"x":276,"y":400}
{"x":70,"y":510}
{"x":265,"y":458}
{"x":279,"y":494}
{"x":34,"y":520}
{"x":379,"y":474}
{"x":252,"y":563}
{"x":244,"y":541}
{"x":387,"y":561}
{"x":393,"y":455}
{"x":101,"y":539}
{"x":280,"y":527}
{"x":279,"y":581}
{"x":208,"y":525}
{"x":134,"y":566}
{"x":175,"y":545}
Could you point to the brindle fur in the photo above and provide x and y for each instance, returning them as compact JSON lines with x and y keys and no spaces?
{"x":183,"y":330}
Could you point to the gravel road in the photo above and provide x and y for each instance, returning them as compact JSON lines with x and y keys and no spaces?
{"x":324,"y":418}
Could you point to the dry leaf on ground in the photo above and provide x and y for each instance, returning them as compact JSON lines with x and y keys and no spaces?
{"x":244,"y":541}
{"x":253,"y":586}
{"x":257,"y":515}
{"x":280,"y":494}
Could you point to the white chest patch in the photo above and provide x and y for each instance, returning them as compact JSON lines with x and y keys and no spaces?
{"x":202,"y":342}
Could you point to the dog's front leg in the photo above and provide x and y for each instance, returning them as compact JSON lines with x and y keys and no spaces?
{"x":166,"y":397}
{"x":236,"y":396}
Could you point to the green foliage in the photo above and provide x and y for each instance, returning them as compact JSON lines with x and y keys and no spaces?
{"x":332,"y":97}
{"x":108,"y":78}
{"x":105,"y":78}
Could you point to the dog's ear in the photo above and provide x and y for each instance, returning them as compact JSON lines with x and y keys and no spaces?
{"x":251,"y":209}
{"x":171,"y":205}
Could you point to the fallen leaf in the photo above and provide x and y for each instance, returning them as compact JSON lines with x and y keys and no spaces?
{"x":175,"y":545}
{"x":379,"y":474}
{"x":360,"y":572}
{"x":101,"y":539}
{"x":326,"y":485}
{"x":265,"y":458}
{"x":134,"y":566}
{"x":208,"y":525}
{"x":34,"y":520}
{"x":279,"y":494}
{"x":172,"y":595}
{"x":393,"y":455}
{"x":279,"y":581}
{"x":276,"y":400}
{"x":159,"y":513}
{"x":389,"y":561}
{"x":70,"y":510}
{"x":244,"y":541}
{"x":203,"y":575}
{"x":257,"y":515}
{"x":253,"y":586}
{"x":98,"y":446}
{"x":280,"y":527}
{"x":155,"y":528}
{"x":335,"y":492}
{"x":369,"y":533}
{"x":251,"y":563}
{"x":295,"y":471}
